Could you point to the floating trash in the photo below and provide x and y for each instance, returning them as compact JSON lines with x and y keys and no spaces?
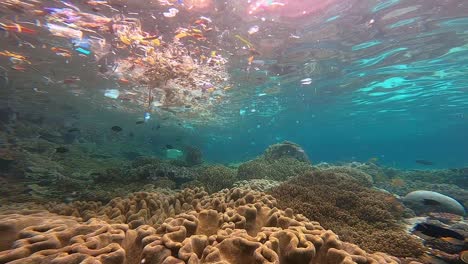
{"x":174,"y":153}
{"x":83,"y":51}
{"x":112,"y":93}
{"x":171,"y":13}
{"x":306,"y":81}
{"x":147,"y":116}
{"x":66,"y":32}
{"x":253,"y":30}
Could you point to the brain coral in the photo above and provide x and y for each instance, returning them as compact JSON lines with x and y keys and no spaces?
{"x":356,"y":213}
{"x":153,"y":208}
{"x":246,"y":228}
{"x":42,"y":237}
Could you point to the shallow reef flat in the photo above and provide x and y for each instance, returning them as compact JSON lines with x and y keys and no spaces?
{"x":233,"y":226}
{"x":276,"y":208}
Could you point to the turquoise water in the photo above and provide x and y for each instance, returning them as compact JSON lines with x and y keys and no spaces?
{"x":233,"y":131}
{"x":348,"y":81}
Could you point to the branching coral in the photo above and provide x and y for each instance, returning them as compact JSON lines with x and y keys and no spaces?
{"x":357,"y":213}
{"x":359,"y":175}
{"x":278,"y":169}
{"x":261,"y":185}
{"x":216,"y":177}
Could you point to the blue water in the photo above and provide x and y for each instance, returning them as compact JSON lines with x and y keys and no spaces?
{"x":380,"y":79}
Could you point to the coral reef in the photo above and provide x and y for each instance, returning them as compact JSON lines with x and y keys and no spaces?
{"x":402,"y":187}
{"x":41,"y":237}
{"x":285,"y":149}
{"x":457,"y":177}
{"x":152,"y":208}
{"x":362,"y":177}
{"x":428,"y":201}
{"x":216,"y":177}
{"x":261,"y":185}
{"x":279,"y":162}
{"x":450,"y":182}
{"x":193,"y":156}
{"x":233,"y":226}
{"x":146,"y":170}
{"x":279,"y":169}
{"x":444,"y":234}
{"x":358,"y":214}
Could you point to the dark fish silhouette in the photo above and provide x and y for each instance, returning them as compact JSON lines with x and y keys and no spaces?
{"x":425,"y":162}
{"x":169,"y":146}
{"x":437,"y":231}
{"x":116,"y":128}
{"x":139,"y":122}
{"x":75,"y":129}
{"x":62,"y":150}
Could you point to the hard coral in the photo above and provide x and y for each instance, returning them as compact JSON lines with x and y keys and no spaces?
{"x":286,"y":149}
{"x":233,"y":226}
{"x":279,"y":169}
{"x":261,"y":185}
{"x":250,"y":234}
{"x":216,"y":177}
{"x":153,"y":208}
{"x":42,"y":237}
{"x":357,"y":213}
{"x":193,"y":156}
{"x":362,"y":177}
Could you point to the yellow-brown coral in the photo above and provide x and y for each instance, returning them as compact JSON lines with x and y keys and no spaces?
{"x":397,"y":182}
{"x":233,"y":226}
{"x":356,"y":213}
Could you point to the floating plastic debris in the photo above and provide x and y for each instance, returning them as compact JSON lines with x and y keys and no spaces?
{"x":171,"y":13}
{"x":306,"y":81}
{"x":253,"y":30}
{"x":292,"y":36}
{"x":16,"y":28}
{"x":147,"y":116}
{"x":112,"y":93}
{"x":61,"y":52}
{"x":83,"y":51}
{"x":66,"y":32}
{"x":242,"y":112}
{"x":174,"y":153}
{"x":82,"y":43}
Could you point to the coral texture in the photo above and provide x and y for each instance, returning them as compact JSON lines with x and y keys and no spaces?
{"x":261,"y":185}
{"x":362,"y":177}
{"x":356,"y":213}
{"x":153,"y":208}
{"x":286,"y":149}
{"x":233,"y":226}
{"x":42,"y":237}
{"x":216,"y":177}
{"x":278,"y":169}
